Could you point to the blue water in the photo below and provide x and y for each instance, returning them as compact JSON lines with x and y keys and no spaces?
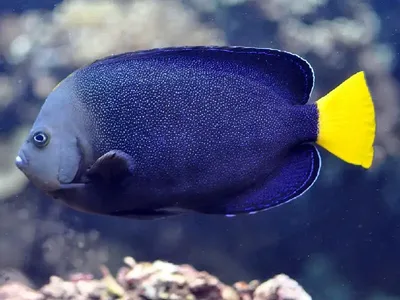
{"x":340,"y":240}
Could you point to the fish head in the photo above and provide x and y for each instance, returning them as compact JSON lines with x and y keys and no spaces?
{"x":51,"y":155}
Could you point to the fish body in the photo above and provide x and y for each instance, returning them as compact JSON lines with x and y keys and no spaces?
{"x":219,"y":130}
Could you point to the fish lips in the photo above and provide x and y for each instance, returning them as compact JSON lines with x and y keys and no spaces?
{"x":21,"y":162}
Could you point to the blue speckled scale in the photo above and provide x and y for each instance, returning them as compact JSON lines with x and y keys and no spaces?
{"x":205,"y":124}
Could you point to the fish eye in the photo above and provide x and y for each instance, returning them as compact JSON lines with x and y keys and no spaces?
{"x":41,"y":139}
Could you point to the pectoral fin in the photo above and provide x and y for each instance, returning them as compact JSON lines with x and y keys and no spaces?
{"x":113,"y":166}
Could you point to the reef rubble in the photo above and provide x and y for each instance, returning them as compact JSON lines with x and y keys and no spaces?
{"x":156,"y":280}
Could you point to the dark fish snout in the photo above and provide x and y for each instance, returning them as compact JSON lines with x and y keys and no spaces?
{"x":20,"y":161}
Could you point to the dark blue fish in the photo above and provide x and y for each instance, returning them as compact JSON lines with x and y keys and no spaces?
{"x":216,"y":130}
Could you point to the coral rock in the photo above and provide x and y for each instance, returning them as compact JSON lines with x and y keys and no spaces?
{"x":158,"y":280}
{"x":281,"y":287}
{"x":18,"y":291}
{"x":57,"y":288}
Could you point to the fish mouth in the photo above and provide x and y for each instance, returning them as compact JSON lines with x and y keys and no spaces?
{"x":21,"y":161}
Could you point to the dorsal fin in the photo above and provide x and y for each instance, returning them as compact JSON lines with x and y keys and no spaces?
{"x":290,"y":75}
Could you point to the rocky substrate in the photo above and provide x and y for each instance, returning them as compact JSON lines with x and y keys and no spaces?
{"x":157,"y":280}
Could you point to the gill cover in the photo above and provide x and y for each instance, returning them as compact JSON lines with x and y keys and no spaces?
{"x":70,"y":160}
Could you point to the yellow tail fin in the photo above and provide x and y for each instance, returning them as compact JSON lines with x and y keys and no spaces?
{"x":347,"y":122}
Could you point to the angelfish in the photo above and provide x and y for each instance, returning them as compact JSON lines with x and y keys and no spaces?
{"x":214,"y":130}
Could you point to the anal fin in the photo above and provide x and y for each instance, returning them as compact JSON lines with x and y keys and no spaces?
{"x":293,"y":178}
{"x":145,"y":214}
